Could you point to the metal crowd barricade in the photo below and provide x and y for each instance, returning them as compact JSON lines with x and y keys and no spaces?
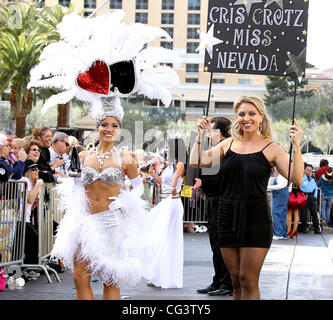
{"x":49,"y":215}
{"x":194,"y":207}
{"x":13,"y":199}
{"x":151,"y":193}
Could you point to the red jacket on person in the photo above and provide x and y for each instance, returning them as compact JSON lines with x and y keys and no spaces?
{"x":320,"y":172}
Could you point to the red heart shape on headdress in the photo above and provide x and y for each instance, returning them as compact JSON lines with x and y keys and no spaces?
{"x":96,"y":79}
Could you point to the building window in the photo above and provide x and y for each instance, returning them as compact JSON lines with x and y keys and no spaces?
{"x":193,"y":18}
{"x":90,"y":4}
{"x":224,"y":105}
{"x":193,"y":4}
{"x":167,"y":18}
{"x":196,"y":104}
{"x":116,"y":4}
{"x":218,"y":81}
{"x":141,"y":17}
{"x":192,"y":67}
{"x":169,"y":31}
{"x":191,"y":46}
{"x":192,"y":80}
{"x":167,"y":44}
{"x":64,"y":3}
{"x":142,"y":4}
{"x":244,"y":81}
{"x":192,"y":33}
{"x":168,"y":4}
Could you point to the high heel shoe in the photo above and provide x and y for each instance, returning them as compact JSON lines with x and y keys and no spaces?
{"x":294,"y":233}
{"x":289,"y":233}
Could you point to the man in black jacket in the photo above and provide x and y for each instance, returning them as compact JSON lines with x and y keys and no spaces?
{"x":221,"y":284}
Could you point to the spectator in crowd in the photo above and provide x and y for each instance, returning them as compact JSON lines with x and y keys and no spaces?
{"x":10,"y":136}
{"x":31,"y":231}
{"x":221,"y":284}
{"x":60,"y":143}
{"x":32,"y":148}
{"x":17,"y":145}
{"x":323,"y":164}
{"x":44,"y":136}
{"x":309,"y":187}
{"x":280,"y":195}
{"x":326,"y":184}
{"x":16,"y":172}
{"x":73,"y":142}
{"x":293,"y":215}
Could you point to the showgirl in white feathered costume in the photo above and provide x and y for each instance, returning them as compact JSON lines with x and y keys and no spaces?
{"x":100,"y":60}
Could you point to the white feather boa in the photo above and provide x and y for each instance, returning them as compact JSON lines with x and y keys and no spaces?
{"x":114,"y":257}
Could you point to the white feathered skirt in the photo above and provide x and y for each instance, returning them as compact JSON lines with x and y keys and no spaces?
{"x":166,"y":247}
{"x":110,"y":241}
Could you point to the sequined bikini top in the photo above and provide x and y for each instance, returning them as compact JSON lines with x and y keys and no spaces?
{"x":110,"y":175}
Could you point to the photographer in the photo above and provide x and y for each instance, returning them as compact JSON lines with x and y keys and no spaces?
{"x":58,"y":154}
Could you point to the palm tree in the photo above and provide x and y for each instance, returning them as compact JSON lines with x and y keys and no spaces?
{"x":50,"y":17}
{"x":24,"y":32}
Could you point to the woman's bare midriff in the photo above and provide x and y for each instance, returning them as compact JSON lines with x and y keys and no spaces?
{"x":98,"y":193}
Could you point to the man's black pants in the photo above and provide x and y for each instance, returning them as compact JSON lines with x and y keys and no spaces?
{"x":311,"y":205}
{"x":222,"y":275}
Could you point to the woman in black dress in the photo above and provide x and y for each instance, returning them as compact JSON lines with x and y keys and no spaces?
{"x":244,"y":219}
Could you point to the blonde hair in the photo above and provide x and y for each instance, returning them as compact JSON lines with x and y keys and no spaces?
{"x":19,"y":142}
{"x":266,"y":131}
{"x":73,"y":141}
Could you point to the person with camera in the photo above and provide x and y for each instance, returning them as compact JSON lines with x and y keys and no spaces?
{"x":244,"y":221}
{"x":221,"y":284}
{"x":166,"y":247}
{"x":44,"y":136}
{"x":58,"y":154}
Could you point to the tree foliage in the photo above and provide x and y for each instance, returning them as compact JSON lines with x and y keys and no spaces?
{"x":24,"y":32}
{"x":317,"y":136}
{"x":312,"y":107}
{"x":282,"y":88}
{"x":322,"y":137}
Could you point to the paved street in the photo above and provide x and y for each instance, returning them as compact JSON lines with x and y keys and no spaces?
{"x":294,"y":269}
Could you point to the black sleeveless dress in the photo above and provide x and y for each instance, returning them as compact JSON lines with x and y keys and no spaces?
{"x":244,"y":217}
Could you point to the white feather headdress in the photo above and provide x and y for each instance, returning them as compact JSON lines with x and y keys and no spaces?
{"x":104,"y":40}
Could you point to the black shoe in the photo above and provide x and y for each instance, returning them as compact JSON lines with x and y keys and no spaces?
{"x":318,"y":231}
{"x":221,"y":292}
{"x":208,"y":289}
{"x":305,"y":231}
